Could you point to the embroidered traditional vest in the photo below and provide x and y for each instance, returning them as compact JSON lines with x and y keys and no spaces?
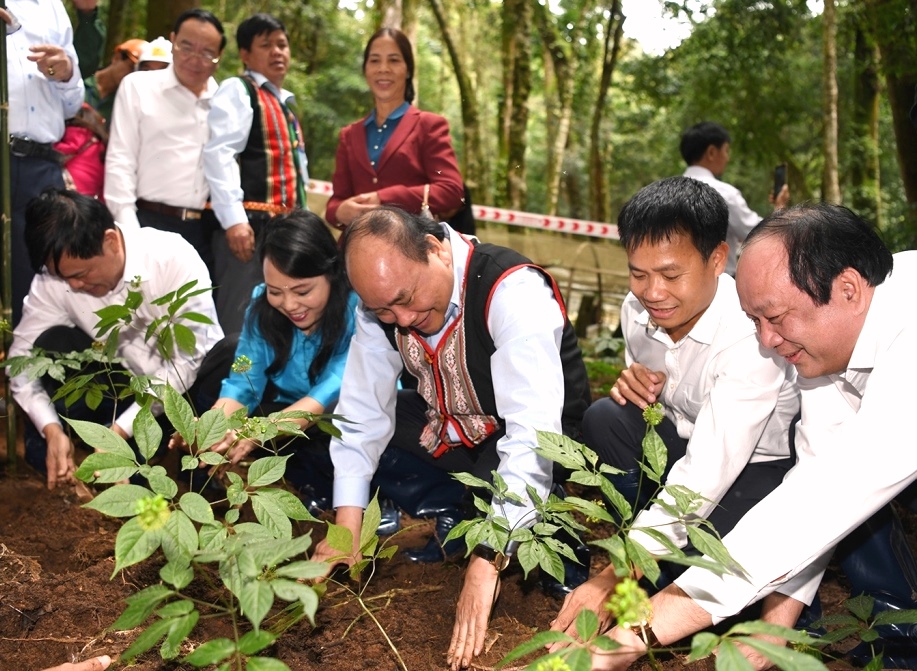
{"x":269,"y":172}
{"x":455,"y":379}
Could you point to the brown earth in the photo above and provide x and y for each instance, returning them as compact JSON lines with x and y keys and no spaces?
{"x":57,"y":601}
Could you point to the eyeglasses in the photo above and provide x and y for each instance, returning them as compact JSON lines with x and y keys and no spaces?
{"x":186,"y":51}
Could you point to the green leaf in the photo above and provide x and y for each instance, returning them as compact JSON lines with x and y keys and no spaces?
{"x":133,"y":544}
{"x":537,"y":643}
{"x":288,"y":502}
{"x":147,"y":433}
{"x":163,"y":484}
{"x":232,"y":515}
{"x":101,"y":438}
{"x":266,"y":471}
{"x":713,"y":547}
{"x":272,"y":517}
{"x":702,"y":645}
{"x":641,"y":557}
{"x":655,"y":453}
{"x":255,"y":600}
{"x":340,"y":538}
{"x":290,"y":590}
{"x":179,"y":412}
{"x":211,"y":652}
{"x":177,"y":574}
{"x":110,"y":467}
{"x":176,"y":608}
{"x":140,"y":606}
{"x":184,"y":338}
{"x":212,"y":458}
{"x":302,"y":570}
{"x":255,"y":641}
{"x":94,"y":396}
{"x":211,"y":428}
{"x":371,"y":518}
{"x":265,"y":664}
{"x":147,"y":639}
{"x":196,"y":507}
{"x":178,"y":632}
{"x":861,"y":606}
{"x":587,"y":624}
{"x":758,"y":627}
{"x":472,"y":481}
{"x":211,"y":536}
{"x":179,"y":538}
{"x":896,"y":617}
{"x":782,"y":656}
{"x":729,"y":657}
{"x":119,"y":501}
{"x":196,"y":317}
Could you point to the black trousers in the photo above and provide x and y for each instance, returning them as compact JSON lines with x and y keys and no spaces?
{"x":28,"y":178}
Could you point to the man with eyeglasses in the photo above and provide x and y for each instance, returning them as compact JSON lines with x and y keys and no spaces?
{"x":153,"y":173}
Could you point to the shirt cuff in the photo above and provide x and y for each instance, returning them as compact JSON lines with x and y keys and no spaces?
{"x":350,"y":491}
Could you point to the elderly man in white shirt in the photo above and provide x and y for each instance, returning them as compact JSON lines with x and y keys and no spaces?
{"x":706,"y":149}
{"x":90,"y":263}
{"x":728,"y":404}
{"x":154,"y":172}
{"x":817,"y":282}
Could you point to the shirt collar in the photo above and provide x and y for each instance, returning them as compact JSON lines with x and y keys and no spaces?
{"x":397,"y":114}
{"x":263,"y":81}
{"x":698,"y":171}
{"x":706,"y":327}
{"x":172,"y":82}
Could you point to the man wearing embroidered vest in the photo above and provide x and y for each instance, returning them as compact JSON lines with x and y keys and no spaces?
{"x":485,"y":333}
{"x":255,"y":161}
{"x":153,"y":174}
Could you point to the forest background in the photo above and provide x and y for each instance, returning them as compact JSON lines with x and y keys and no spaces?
{"x":553,"y":110}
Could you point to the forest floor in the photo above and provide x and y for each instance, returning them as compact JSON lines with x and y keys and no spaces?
{"x":58,"y":600}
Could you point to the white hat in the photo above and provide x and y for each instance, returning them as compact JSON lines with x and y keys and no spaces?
{"x":159,"y":50}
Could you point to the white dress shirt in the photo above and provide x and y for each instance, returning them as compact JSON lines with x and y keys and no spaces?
{"x":741,"y":217}
{"x":163,"y":262}
{"x":731,"y":399}
{"x":526,"y":325}
{"x":856,"y":453}
{"x":155,"y":152}
{"x":39,"y":106}
{"x":230,"y":122}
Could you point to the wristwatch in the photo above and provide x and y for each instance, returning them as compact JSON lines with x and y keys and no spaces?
{"x":499,"y":560}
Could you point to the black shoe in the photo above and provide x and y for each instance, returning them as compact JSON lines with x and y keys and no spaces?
{"x":574,"y":575}
{"x":391,"y":517}
{"x":435,"y":551}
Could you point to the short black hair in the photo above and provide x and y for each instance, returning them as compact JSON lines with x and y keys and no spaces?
{"x":821,"y":241}
{"x":671,"y":206}
{"x":255,"y":25}
{"x":697,"y":138}
{"x":407,"y":53}
{"x":61,"y":222}
{"x":201,"y":15}
{"x":405,"y":231}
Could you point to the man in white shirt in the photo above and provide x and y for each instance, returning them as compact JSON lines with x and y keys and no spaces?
{"x":85,"y":262}
{"x":255,"y":161}
{"x":45,"y":89}
{"x":485,"y":334}
{"x":817,"y":282}
{"x":154,"y":163}
{"x":705,"y":148}
{"x":728,"y":404}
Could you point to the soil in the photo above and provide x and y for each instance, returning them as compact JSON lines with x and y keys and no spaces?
{"x":57,"y":600}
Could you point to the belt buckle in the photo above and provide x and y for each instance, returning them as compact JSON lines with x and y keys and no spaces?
{"x":18,"y":147}
{"x":188,"y":213}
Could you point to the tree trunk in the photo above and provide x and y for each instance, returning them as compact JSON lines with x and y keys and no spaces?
{"x":614,"y":30}
{"x":474,"y":168}
{"x":894,"y":25}
{"x":831,"y":190}
{"x":560,"y":109}
{"x":518,"y":13}
{"x":864,"y":167}
{"x":161,"y":15}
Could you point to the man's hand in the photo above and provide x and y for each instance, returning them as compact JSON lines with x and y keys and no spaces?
{"x":479,"y":592}
{"x":782,"y":199}
{"x":99,"y":663}
{"x":354,"y":206}
{"x":632,"y":648}
{"x":591,"y":595}
{"x":350,"y":517}
{"x":52,"y":61}
{"x":639,"y":385}
{"x":59,"y":459}
{"x":241,"y":241}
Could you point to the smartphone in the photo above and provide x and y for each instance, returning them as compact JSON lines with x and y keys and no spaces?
{"x":779,"y":178}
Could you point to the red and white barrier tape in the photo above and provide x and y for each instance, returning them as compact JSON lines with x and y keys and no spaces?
{"x":514,"y":218}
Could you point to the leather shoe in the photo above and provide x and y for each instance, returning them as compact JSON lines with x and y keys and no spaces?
{"x":435,"y":551}
{"x":391,"y":517}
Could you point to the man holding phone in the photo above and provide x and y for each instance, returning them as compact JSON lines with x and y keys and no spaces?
{"x":705,"y":148}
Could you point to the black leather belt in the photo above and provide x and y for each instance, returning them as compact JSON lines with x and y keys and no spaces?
{"x":183,"y":213}
{"x":23,"y":147}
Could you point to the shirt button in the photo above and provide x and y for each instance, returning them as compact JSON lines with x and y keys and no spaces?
{"x":376,"y":147}
{"x":375,"y":180}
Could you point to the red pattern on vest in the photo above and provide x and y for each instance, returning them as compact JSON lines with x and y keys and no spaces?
{"x":443,"y":381}
{"x":280,"y":149}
